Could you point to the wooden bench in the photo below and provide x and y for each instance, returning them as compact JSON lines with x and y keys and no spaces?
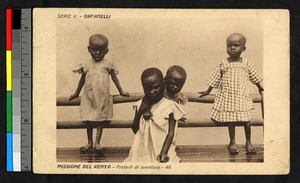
{"x":127,"y":124}
{"x":117,"y":99}
{"x":211,"y":153}
{"x":192,"y":154}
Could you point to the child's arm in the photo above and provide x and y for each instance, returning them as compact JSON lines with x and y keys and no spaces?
{"x":136,"y":122}
{"x":205,"y":92}
{"x":79,"y":87}
{"x":261,"y":91}
{"x":138,"y":114}
{"x":260,"y":86}
{"x":163,"y":157}
{"x":118,"y":85}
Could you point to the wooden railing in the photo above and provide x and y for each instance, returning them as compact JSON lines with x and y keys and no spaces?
{"x":117,"y":99}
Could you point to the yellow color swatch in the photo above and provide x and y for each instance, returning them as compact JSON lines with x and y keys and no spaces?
{"x":8,"y":70}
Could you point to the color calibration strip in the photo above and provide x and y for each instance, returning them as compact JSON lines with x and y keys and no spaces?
{"x":18,"y":89}
{"x":9,"y":142}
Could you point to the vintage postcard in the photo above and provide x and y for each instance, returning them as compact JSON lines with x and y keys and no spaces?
{"x":161,"y":91}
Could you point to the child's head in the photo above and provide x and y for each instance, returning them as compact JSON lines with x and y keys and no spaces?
{"x":175,"y":79}
{"x":152,"y":81}
{"x":98,"y":46}
{"x":235,"y":44}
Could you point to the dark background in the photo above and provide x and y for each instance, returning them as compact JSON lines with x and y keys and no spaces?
{"x":292,"y":5}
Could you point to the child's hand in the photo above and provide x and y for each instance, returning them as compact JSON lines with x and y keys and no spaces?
{"x":183,"y":119}
{"x":261,"y":91}
{"x":73,"y":96}
{"x":145,"y":106}
{"x":147,"y":115}
{"x":182,"y":101}
{"x":163,"y":158}
{"x":124,"y":93}
{"x":202,"y":94}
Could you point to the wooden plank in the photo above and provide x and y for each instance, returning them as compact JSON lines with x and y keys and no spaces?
{"x":64,"y":101}
{"x":199,"y":153}
{"x":117,"y":99}
{"x":127,"y":124}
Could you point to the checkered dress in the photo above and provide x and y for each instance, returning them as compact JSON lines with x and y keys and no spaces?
{"x":233,"y":102}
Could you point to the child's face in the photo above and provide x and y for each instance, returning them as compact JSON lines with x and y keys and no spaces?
{"x":153,"y":88}
{"x":98,"y":49}
{"x":174,"y":82}
{"x":235,"y":46}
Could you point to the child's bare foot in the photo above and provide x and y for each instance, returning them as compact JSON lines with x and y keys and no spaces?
{"x":232,"y":148}
{"x":87,"y":147}
{"x":98,"y":147}
{"x":249,"y":149}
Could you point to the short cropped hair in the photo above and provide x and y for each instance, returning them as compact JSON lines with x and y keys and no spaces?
{"x":240,"y":35}
{"x":151,"y":72}
{"x":178,"y":69}
{"x":98,"y":36}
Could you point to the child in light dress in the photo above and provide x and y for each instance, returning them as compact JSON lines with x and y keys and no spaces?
{"x":154,"y":139}
{"x":96,"y":101}
{"x":233,"y":103}
{"x":174,"y":81}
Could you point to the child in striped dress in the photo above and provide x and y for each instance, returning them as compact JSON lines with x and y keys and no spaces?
{"x":233,"y":103}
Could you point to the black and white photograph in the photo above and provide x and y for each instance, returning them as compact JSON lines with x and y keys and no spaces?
{"x":161,"y":91}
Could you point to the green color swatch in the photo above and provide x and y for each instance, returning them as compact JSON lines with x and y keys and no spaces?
{"x":8,"y":112}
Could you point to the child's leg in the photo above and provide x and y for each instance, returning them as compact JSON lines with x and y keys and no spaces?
{"x":98,"y":137}
{"x":89,"y":131}
{"x":232,"y":145}
{"x":249,"y":147}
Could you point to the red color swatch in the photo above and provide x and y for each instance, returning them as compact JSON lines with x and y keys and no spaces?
{"x":8,"y":29}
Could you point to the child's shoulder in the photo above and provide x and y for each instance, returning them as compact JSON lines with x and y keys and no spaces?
{"x":88,"y":62}
{"x":167,"y":103}
{"x":81,"y":67}
{"x":223,"y":62}
{"x":108,"y":64}
{"x":226,"y":63}
{"x":86,"y":65}
{"x":246,"y":60}
{"x":168,"y":106}
{"x":180,"y":98}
